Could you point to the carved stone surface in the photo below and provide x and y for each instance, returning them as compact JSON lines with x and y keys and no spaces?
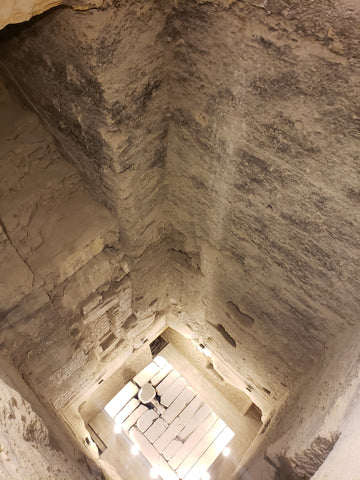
{"x":219,"y":145}
{"x":15,"y":11}
{"x":28,"y":449}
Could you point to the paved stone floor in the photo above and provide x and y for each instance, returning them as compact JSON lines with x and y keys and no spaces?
{"x":152,"y":434}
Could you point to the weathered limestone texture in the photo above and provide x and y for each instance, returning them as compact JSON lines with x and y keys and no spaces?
{"x":47,"y":215}
{"x":25,"y":448}
{"x":252,"y":181}
{"x":16,"y":278}
{"x":28,"y":450}
{"x":262,"y":174}
{"x":111,"y":122}
{"x":319,"y":423}
{"x":65,"y":284}
{"x":68,"y":309}
{"x":219,"y":144}
{"x":16,"y":11}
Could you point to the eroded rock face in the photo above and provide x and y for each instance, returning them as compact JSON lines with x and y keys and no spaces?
{"x":65,"y":283}
{"x":25,"y":450}
{"x":224,"y":137}
{"x":309,"y":436}
{"x":259,"y":172}
{"x":215,"y":133}
{"x":111,"y":123}
{"x":16,"y":11}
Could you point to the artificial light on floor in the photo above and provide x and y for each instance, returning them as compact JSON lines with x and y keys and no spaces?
{"x":117,"y":428}
{"x":134,"y":450}
{"x":226,"y":452}
{"x":153,"y":473}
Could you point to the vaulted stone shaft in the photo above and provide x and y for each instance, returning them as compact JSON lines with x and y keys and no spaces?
{"x":184,"y":174}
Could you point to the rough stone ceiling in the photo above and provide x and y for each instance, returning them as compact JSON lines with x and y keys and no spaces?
{"x":16,"y":11}
{"x":225,"y":138}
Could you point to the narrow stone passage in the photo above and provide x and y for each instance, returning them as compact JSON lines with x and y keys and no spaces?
{"x":181,"y":177}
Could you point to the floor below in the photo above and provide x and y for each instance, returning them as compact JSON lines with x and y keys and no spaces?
{"x":116,"y":448}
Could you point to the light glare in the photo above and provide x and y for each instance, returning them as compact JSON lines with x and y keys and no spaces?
{"x":134,"y":450}
{"x":117,"y":428}
{"x":226,"y":452}
{"x":204,"y":350}
{"x":205,"y":476}
{"x":153,"y":473}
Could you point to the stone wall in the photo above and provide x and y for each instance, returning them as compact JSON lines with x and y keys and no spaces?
{"x":257,"y":212}
{"x":111,"y":127}
{"x":223,"y":137}
{"x":31,"y":446}
{"x":104,"y":98}
{"x":315,"y":434}
{"x":66,"y":289}
{"x":16,"y":11}
{"x":261,"y":171}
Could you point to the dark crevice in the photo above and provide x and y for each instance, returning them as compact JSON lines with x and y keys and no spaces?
{"x":220,"y":328}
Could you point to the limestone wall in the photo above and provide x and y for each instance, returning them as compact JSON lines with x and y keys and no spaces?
{"x":261,"y":181}
{"x":223,"y":136}
{"x":67,"y":308}
{"x":250,"y":215}
{"x":315,"y":435}
{"x":16,"y":11}
{"x":28,"y":449}
{"x":111,"y":122}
